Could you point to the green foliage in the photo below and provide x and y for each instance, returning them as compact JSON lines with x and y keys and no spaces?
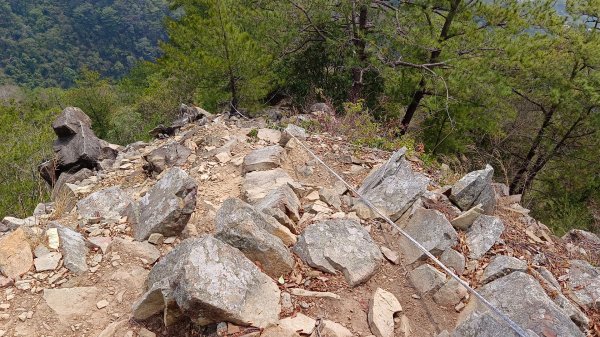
{"x":25,"y":141}
{"x":221,"y":64}
{"x":512,"y":83}
{"x":45,"y":43}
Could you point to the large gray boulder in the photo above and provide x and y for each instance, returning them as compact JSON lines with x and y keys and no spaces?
{"x":486,"y":325}
{"x":340,"y":245}
{"x":209,"y":282}
{"x":523,"y":299}
{"x":584,"y":281}
{"x":394,"y":186}
{"x":283,"y":204}
{"x":172,"y":154}
{"x":167,"y":206}
{"x":263,"y":159}
{"x":236,"y":211}
{"x":109,"y":203}
{"x":475,"y":188}
{"x":236,"y":225}
{"x":77,"y":146}
{"x":432,"y":230}
{"x":483,"y":234}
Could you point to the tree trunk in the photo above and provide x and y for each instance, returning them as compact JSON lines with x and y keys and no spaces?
{"x":433,"y":58}
{"x":519,"y":181}
{"x":360,"y":48}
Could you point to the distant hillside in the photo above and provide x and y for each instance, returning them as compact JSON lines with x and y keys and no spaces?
{"x":47,"y":42}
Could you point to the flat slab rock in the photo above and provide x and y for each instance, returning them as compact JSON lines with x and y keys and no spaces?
{"x":304,"y":325}
{"x":263,"y":159}
{"x":16,"y":257}
{"x":432,"y":230}
{"x":340,"y":245}
{"x":501,"y":265}
{"x":485,"y":325}
{"x":209,"y":282}
{"x":394,"y":186}
{"x":109,"y":203}
{"x":483,"y":234}
{"x":258,"y":184}
{"x":69,"y":303}
{"x":167,"y":206}
{"x":382,"y":307}
{"x":134,"y":249}
{"x":524,"y":300}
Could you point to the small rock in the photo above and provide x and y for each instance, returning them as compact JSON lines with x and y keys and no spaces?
{"x":286,"y":302}
{"x":47,"y":262}
{"x":156,"y":238}
{"x":363,"y":211}
{"x":102,"y":304}
{"x":292,"y":130}
{"x":390,"y":255}
{"x":584,"y":281}
{"x":330,"y":197}
{"x":450,"y":293}
{"x":101,"y":242}
{"x":426,"y":278}
{"x":223,"y":157}
{"x":258,"y":184}
{"x":40,"y":251}
{"x":465,"y":219}
{"x":319,"y":294}
{"x":453,"y":259}
{"x":382,"y":308}
{"x":269,"y":135}
{"x":142,"y":250}
{"x":146,"y":333}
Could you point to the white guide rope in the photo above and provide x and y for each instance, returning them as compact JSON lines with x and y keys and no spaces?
{"x":514,"y":326}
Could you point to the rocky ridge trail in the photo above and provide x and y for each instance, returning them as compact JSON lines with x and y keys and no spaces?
{"x":224,"y":227}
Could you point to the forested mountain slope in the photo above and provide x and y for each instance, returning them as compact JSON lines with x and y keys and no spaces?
{"x":47,"y":42}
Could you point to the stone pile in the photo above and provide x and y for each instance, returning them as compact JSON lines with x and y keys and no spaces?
{"x":265,"y":245}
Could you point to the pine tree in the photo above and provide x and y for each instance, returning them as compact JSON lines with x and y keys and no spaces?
{"x":213,"y":50}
